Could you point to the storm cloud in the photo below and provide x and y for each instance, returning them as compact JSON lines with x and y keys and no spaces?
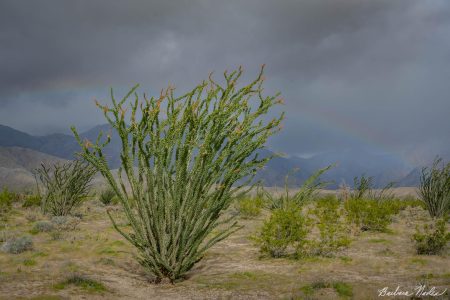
{"x":354,"y":73}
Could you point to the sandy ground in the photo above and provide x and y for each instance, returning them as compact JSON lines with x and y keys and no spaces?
{"x":233,"y":269}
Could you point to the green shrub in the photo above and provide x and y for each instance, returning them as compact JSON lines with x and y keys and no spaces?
{"x":83,"y":282}
{"x":395,"y":205}
{"x":433,"y":238}
{"x":181,"y":157}
{"x":42,"y":226}
{"x":6,"y":200}
{"x":410,"y":201}
{"x":108,"y":197}
{"x":17,"y":245}
{"x":285,"y":230}
{"x":370,"y":214}
{"x":434,"y":189}
{"x":250,"y":207}
{"x":344,"y":290}
{"x":29,"y":262}
{"x":333,"y":230}
{"x":66,"y":186}
{"x":32,"y":200}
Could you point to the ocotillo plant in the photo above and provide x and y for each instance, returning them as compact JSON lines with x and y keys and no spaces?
{"x":434,"y":188}
{"x":66,"y":185}
{"x":182,"y":157}
{"x":307,"y":191}
{"x":363,"y":187}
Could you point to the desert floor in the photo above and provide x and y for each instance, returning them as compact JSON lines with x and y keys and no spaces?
{"x":233,"y":269}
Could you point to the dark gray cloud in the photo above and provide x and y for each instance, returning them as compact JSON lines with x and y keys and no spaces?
{"x":353,"y":72}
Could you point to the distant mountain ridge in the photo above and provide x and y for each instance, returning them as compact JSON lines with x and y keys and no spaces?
{"x":58,"y":144}
{"x":349,"y":162}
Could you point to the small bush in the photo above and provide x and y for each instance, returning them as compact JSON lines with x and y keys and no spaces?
{"x":83,"y":282}
{"x":65,"y":223}
{"x":42,"y":226}
{"x":411,"y":201}
{"x":17,"y":245}
{"x":286,"y":228}
{"x":344,"y":290}
{"x":66,"y":186}
{"x":433,"y":239}
{"x":434,"y":189}
{"x":250,"y":207}
{"x":396,"y":205}
{"x":56,"y":235}
{"x":29,"y":262}
{"x":333,"y":231}
{"x":370,"y":214}
{"x":108,"y":197}
{"x":32,"y":216}
{"x":6,"y":200}
{"x":32,"y":201}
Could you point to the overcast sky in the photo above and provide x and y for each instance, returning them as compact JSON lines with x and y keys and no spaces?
{"x":354,"y":73}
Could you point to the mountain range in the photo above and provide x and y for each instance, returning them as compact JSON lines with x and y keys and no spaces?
{"x":21,"y":152}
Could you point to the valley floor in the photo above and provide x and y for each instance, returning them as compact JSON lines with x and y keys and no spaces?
{"x":233,"y":269}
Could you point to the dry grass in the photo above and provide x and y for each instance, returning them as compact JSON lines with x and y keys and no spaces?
{"x":232,"y":269}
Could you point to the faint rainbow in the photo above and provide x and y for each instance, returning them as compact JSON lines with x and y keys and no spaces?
{"x":347,"y":126}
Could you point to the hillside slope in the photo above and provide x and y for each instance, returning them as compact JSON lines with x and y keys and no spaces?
{"x":17,"y":165}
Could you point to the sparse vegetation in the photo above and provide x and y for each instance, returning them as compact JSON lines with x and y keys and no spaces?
{"x":433,"y":239}
{"x":32,"y":200}
{"x":65,"y":223}
{"x":6,"y":200}
{"x":82,"y":282}
{"x":249,"y":207}
{"x":16,"y":245}
{"x":285,"y":230}
{"x":333,"y":230}
{"x":29,"y":262}
{"x":66,"y":185}
{"x":344,"y":290}
{"x":232,"y":268}
{"x":108,"y":197}
{"x":370,"y":214}
{"x":434,"y":189}
{"x":42,"y":226}
{"x":189,"y":152}
{"x":288,"y":231}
